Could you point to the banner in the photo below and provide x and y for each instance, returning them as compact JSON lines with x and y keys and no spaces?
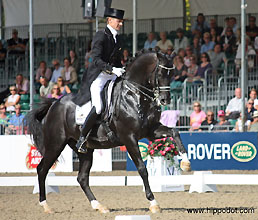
{"x":217,"y":151}
{"x":222,"y":151}
{"x":17,"y":154}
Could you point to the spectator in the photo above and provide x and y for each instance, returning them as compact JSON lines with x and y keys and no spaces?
{"x":226,"y":25}
{"x":151,"y":42}
{"x":192,"y":69}
{"x":74,"y":61}
{"x":126,"y":57}
{"x":181,"y":53}
{"x":197,"y":117}
{"x":3,"y":119}
{"x":88,"y":58}
{"x":196,"y":48}
{"x":228,"y":42}
{"x":16,"y":45}
{"x":223,"y":124}
{"x":250,"y":54}
{"x":16,"y":122}
{"x":214,"y":36}
{"x":22,"y":84}
{"x":209,"y":121}
{"x":200,"y":24}
{"x":170,"y":118}
{"x":249,"y":110}
{"x":253,"y":95}
{"x":44,"y":71}
{"x":213,"y":25}
{"x":12,"y":100}
{"x":46,"y":87}
{"x":254,"y":125}
{"x":64,"y":89}
{"x":68,"y":73}
{"x":2,"y":53}
{"x":217,"y":57}
{"x":233,"y":24}
{"x":55,"y":92}
{"x":181,"y":41}
{"x":170,"y":54}
{"x":256,"y":44}
{"x":164,"y":42}
{"x":234,"y":106}
{"x":57,"y":70}
{"x":238,"y":126}
{"x":189,"y":53}
{"x":208,"y":44}
{"x":205,"y":66}
{"x":252,"y":29}
{"x":180,"y":73}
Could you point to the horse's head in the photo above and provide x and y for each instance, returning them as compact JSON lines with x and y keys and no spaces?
{"x":152,"y":70}
{"x":160,"y":79}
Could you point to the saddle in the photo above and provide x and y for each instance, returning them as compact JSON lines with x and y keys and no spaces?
{"x":81,"y":112}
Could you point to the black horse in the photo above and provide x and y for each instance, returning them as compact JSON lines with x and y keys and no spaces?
{"x":136,"y":98}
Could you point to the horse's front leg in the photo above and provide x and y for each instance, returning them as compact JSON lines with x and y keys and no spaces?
{"x":163,"y":131}
{"x":133,"y":150}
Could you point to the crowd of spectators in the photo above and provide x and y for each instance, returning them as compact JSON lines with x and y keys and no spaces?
{"x":206,"y":49}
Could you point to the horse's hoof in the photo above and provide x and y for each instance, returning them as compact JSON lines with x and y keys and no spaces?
{"x":185,"y":166}
{"x":102,"y":209}
{"x":155,"y":209}
{"x":46,"y":208}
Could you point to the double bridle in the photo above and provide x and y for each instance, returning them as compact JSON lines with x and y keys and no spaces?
{"x":157,"y":89}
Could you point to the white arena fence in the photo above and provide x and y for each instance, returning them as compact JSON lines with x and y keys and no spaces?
{"x":199,"y":181}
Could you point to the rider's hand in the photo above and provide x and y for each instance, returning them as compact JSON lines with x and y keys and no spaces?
{"x":118,"y":71}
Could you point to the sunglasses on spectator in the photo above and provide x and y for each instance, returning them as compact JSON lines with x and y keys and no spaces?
{"x":12,"y":90}
{"x":210,"y":115}
{"x":196,"y":105}
{"x":251,"y":103}
{"x":55,"y":88}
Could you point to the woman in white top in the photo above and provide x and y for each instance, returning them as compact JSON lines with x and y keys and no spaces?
{"x":238,"y":126}
{"x":12,"y":100}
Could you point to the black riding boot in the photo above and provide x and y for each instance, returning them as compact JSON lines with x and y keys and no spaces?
{"x":87,"y":126}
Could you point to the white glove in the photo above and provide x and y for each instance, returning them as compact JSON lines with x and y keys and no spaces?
{"x":118,"y":71}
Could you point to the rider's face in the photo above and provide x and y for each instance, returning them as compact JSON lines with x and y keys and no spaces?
{"x":115,"y":23}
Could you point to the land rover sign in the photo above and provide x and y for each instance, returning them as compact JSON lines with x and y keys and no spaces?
{"x":243,"y":151}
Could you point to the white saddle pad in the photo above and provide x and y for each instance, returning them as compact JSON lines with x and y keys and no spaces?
{"x":81,"y":112}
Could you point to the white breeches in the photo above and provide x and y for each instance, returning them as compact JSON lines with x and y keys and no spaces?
{"x":96,"y":88}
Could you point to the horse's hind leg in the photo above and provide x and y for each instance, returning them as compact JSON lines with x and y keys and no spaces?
{"x":45,"y":164}
{"x":83,"y":179}
{"x":133,"y":150}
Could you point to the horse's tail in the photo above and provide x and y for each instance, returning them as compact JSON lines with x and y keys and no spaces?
{"x":34,"y":122}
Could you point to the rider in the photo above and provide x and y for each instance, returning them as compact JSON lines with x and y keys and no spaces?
{"x":106,"y":65}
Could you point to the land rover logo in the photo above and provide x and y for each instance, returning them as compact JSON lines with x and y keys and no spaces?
{"x":243,"y":151}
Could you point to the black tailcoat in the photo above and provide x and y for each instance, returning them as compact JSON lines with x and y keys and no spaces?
{"x":105,"y":55}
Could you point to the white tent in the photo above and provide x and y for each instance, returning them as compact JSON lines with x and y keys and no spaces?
{"x":69,"y":11}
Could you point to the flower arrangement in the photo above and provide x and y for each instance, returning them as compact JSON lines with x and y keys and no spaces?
{"x":165,"y":147}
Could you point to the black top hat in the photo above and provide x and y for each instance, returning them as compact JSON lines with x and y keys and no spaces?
{"x":114,"y":13}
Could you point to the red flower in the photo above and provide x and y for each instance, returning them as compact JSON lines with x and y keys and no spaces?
{"x":168,"y":149}
{"x":151,"y":152}
{"x":163,"y":153}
